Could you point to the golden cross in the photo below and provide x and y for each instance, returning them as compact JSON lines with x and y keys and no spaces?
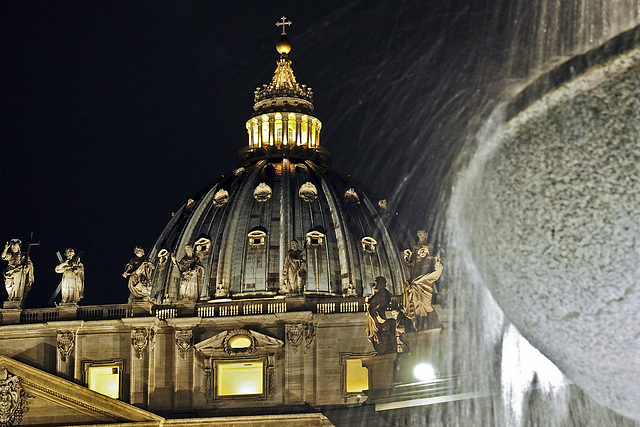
{"x":283,"y":24}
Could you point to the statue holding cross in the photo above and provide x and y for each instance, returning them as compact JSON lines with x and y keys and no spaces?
{"x":18,"y":276}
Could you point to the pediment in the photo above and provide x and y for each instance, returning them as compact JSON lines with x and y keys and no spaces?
{"x":45,"y":399}
{"x":222,"y":343}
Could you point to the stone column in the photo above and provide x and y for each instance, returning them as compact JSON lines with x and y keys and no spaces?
{"x":294,"y":354}
{"x":141,"y":339}
{"x":183,"y":366}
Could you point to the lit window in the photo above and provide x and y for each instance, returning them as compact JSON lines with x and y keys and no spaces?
{"x":278,"y":123}
{"x":104,"y":377}
{"x":356,"y":376}
{"x":240,"y":378}
{"x":303,"y":131}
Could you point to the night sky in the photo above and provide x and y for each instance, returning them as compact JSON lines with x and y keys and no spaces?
{"x":114,"y":113}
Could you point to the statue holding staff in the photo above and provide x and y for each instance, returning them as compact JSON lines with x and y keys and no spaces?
{"x":18,"y":275}
{"x":72,"y":283}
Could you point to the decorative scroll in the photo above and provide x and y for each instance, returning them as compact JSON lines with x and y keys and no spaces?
{"x":66,"y":343}
{"x":13,"y":399}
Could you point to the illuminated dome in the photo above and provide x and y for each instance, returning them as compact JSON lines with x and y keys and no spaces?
{"x":283,"y":189}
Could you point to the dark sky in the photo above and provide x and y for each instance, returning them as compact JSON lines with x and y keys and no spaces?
{"x":114,"y":113}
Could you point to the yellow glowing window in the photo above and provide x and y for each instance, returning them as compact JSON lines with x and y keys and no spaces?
{"x":291,"y":124}
{"x":254,"y":126}
{"x":104,"y":380}
{"x":278,"y":129}
{"x":303,"y":131}
{"x":240,"y":378}
{"x":240,"y":341}
{"x":357,"y":376}
{"x":265,"y":130}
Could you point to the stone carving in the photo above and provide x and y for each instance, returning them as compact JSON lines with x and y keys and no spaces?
{"x":72,"y":283}
{"x":13,"y":399}
{"x":18,"y":275}
{"x":191,"y":275}
{"x":139,"y":340}
{"x":308,"y":192}
{"x":380,"y":330}
{"x":418,"y":292}
{"x":296,"y":333}
{"x":295,"y":269}
{"x":221,"y":198}
{"x":184,"y":339}
{"x":309,"y":334}
{"x":262,"y":192}
{"x":66,"y":343}
{"x":139,"y":270}
{"x":271,"y":373}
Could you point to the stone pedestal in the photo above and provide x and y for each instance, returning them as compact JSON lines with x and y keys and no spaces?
{"x":142,"y":308}
{"x":186,"y":308}
{"x":10,"y":316}
{"x":13,"y":304}
{"x":381,"y":370}
{"x":67,"y":311}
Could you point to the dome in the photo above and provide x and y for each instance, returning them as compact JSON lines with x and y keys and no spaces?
{"x":282,"y":223}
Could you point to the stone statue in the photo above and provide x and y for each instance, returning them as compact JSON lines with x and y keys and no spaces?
{"x":72,"y":283}
{"x":380,"y":330}
{"x":139,"y":270}
{"x":191,"y":275}
{"x":18,"y":276}
{"x":417,"y":297}
{"x":403,"y":325}
{"x":417,"y":257}
{"x":295,"y":269}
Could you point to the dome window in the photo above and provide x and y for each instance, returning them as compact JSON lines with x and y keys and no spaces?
{"x":315,"y":238}
{"x":238,"y":171}
{"x":220,"y":198}
{"x":350,"y":196}
{"x":369,"y":244}
{"x":257,"y":238}
{"x":262,"y":192}
{"x":301,"y":167}
{"x":202,"y":245}
{"x":308,"y":192}
{"x":163,"y":256}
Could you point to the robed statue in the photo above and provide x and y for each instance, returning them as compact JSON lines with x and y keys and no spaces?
{"x":418,"y":292}
{"x":139,"y":270}
{"x":380,"y":330}
{"x":295,"y":269}
{"x":191,"y":275}
{"x":18,"y":275}
{"x":72,"y":282}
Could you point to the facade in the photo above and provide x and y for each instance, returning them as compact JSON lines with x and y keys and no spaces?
{"x":249,"y":310}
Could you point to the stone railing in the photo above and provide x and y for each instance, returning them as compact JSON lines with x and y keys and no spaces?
{"x":221,"y":308}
